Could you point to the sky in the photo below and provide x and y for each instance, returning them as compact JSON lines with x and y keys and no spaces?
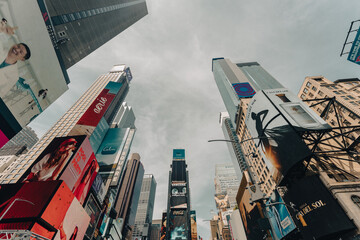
{"x":173,"y":92}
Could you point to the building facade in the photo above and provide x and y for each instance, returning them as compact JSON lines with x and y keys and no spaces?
{"x":145,"y":208}
{"x":26,"y":137}
{"x":338,"y":103}
{"x":178,"y":224}
{"x":129,"y":193}
{"x":81,"y":27}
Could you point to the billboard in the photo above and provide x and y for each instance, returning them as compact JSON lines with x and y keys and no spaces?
{"x":279,"y":216}
{"x":272,"y":118}
{"x":66,"y":158}
{"x":243,"y":90}
{"x":26,"y":86}
{"x":322,"y":216}
{"x":99,"y":188}
{"x":93,"y":210}
{"x":53,"y":211}
{"x":91,"y":118}
{"x":179,"y":225}
{"x":178,"y":197}
{"x":104,"y":220}
{"x":354,"y":54}
{"x":193,"y":225}
{"x":163,"y":226}
{"x":222,"y":201}
{"x":99,"y":133}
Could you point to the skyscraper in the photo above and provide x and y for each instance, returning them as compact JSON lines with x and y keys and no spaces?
{"x":178,"y":207}
{"x":129,"y":193}
{"x":80,"y":27}
{"x":145,"y":208}
{"x":26,"y":136}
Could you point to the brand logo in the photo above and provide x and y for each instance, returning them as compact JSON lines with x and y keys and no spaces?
{"x":108,"y":150}
{"x":99,"y":106}
{"x":305,"y":208}
{"x":179,"y":212}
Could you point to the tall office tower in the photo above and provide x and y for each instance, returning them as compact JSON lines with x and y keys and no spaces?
{"x":178,"y":206}
{"x":338,"y":103}
{"x":81,"y":27}
{"x":145,"y":208}
{"x":80,"y":119}
{"x":155,"y":229}
{"x":226,"y":182}
{"x":129,"y":193}
{"x":235,"y":151}
{"x":26,"y":136}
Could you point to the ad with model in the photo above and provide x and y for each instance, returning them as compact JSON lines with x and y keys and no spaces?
{"x":275,"y":133}
{"x":27,"y":88}
{"x":66,"y":158}
{"x":193,"y":225}
{"x":279,"y":216}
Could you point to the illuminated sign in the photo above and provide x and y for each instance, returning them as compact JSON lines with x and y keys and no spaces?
{"x":109,"y":150}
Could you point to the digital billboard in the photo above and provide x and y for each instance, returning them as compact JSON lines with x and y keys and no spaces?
{"x":43,"y":207}
{"x":99,"y":188}
{"x":66,"y":158}
{"x":272,"y":117}
{"x":222,"y":201}
{"x":93,"y":210}
{"x":179,"y":225}
{"x":178,"y":199}
{"x":322,"y":216}
{"x":163,"y":226}
{"x":75,"y":223}
{"x":354,"y":54}
{"x":104,"y":220}
{"x":99,"y":133}
{"x":193,"y":225}
{"x":91,"y":118}
{"x":26,"y":86}
{"x":279,"y":216}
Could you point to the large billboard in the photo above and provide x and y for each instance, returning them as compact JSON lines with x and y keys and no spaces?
{"x":354,"y":54}
{"x":93,"y":210}
{"x":222,"y":201}
{"x":91,"y":118}
{"x":322,"y":216}
{"x":279,"y":216}
{"x":193,"y":225}
{"x":178,"y":197}
{"x":274,"y":117}
{"x":179,"y":228}
{"x":45,"y":208}
{"x":66,"y":158}
{"x":163,"y":226}
{"x":26,"y":86}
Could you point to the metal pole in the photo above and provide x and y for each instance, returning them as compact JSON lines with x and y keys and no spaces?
{"x":16,"y":199}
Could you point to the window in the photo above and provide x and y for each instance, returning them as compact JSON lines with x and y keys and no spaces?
{"x":314,"y":88}
{"x":308,"y":84}
{"x":302,"y":96}
{"x":321,"y":93}
{"x":306,"y":90}
{"x":356,"y":200}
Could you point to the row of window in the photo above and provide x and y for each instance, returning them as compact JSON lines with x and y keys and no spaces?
{"x":65,"y":18}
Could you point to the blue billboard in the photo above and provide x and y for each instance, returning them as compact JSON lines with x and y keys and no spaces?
{"x":279,"y":217}
{"x":354,"y":54}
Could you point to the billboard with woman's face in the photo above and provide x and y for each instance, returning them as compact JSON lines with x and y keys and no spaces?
{"x":31,"y":75}
{"x":70,"y":159}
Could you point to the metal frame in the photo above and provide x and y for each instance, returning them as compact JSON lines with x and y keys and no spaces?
{"x":347,"y":36}
{"x":343,"y":145}
{"x":20,"y":235}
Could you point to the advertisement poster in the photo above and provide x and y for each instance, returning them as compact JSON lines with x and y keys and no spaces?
{"x":106,"y":212}
{"x":222,"y":201}
{"x":90,"y":119}
{"x":193,"y":225}
{"x":354,"y":54}
{"x":93,"y":210}
{"x":279,"y":216}
{"x":27,"y":88}
{"x":75,"y":223}
{"x":278,"y":142}
{"x":322,"y":215}
{"x":179,"y":225}
{"x":99,"y":188}
{"x":163,"y":226}
{"x":66,"y":158}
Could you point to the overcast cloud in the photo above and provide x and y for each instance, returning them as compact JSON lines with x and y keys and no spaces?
{"x":173,"y":93}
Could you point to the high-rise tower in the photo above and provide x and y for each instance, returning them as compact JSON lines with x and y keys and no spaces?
{"x":81,"y":27}
{"x":178,"y":210}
